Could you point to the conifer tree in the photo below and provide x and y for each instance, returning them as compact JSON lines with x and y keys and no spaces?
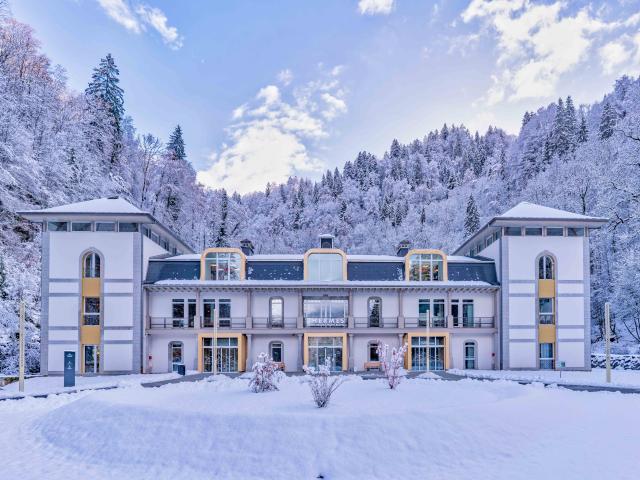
{"x":583,"y":130}
{"x":221,"y":238}
{"x":104,"y":94}
{"x":472,"y":218}
{"x":607,"y":121}
{"x":176,"y":144}
{"x":570,"y":124}
{"x":3,"y":280}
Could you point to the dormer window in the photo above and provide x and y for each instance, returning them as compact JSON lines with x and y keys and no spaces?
{"x":325,"y":267}
{"x":426,"y":267}
{"x":222,"y":266}
{"x":326,"y":241}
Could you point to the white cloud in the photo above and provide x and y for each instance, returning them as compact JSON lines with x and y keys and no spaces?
{"x":613,"y":55}
{"x":140,"y":17}
{"x":537,"y":44}
{"x":375,"y":7}
{"x":156,"y":18}
{"x":285,"y":77}
{"x":274,"y":135}
{"x":121,"y":13}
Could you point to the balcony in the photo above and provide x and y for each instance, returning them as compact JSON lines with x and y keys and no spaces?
{"x":164,"y":322}
{"x":474,"y":322}
{"x":325,"y":322}
{"x":226,"y":323}
{"x":266,"y":322}
{"x":418,"y":322}
{"x":373,"y":322}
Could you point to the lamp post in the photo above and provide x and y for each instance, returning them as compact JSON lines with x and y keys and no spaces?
{"x":607,"y":340}
{"x":21,"y":349}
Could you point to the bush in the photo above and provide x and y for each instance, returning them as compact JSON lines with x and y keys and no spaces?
{"x":392,"y":367}
{"x":322,"y":384}
{"x":266,"y":375}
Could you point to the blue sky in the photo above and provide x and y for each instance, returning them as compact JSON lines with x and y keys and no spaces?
{"x":266,"y":89}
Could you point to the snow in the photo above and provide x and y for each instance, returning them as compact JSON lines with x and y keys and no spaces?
{"x":114,"y":205}
{"x":180,"y":258}
{"x":532,"y":210}
{"x":54,"y":384}
{"x":427,"y":429}
{"x":351,"y":258}
{"x":309,"y":283}
{"x":596,"y":377}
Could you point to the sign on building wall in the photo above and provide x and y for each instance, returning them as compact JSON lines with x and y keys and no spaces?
{"x":69,"y":369}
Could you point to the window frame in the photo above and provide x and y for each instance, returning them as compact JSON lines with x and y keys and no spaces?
{"x":512,"y":231}
{"x":59,"y":224}
{"x":326,"y":266}
{"x":533,"y":231}
{"x":86,"y":313}
{"x":95,"y":263}
{"x":543,"y":360}
{"x":465,"y":358}
{"x":99,"y":226}
{"x":272,"y":318}
{"x":276,"y":343}
{"x":135,"y":227}
{"x":550,"y":317}
{"x":369,"y":312}
{"x":370,"y":345}
{"x":83,"y":224}
{"x":554,"y":231}
{"x":423,"y":264}
{"x":214,"y":261}
{"x":576,"y":231}
{"x":543,"y":268}
{"x":178,"y":304}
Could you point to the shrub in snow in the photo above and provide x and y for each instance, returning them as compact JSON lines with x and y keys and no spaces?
{"x":392,"y":367}
{"x":322,"y":383}
{"x":266,"y":374}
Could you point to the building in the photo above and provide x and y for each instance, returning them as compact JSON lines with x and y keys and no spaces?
{"x":128,"y":296}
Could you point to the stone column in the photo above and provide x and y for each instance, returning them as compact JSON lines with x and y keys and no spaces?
{"x":300,"y":321}
{"x":351,"y":363}
{"x":447,"y":311}
{"x":249,"y":319}
{"x":400,"y":309}
{"x":350,"y":320}
{"x":249,"y":362}
{"x":197,"y":321}
{"x":300,"y":352}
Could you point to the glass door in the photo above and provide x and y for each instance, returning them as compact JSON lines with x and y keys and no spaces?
{"x":175,"y":351}
{"x":91,"y":359}
{"x":419,"y":353}
{"x":323,"y":349}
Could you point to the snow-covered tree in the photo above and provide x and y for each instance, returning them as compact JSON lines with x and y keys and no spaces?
{"x":607,"y":121}
{"x":322,"y":383}
{"x":266,"y":374}
{"x":392,"y":366}
{"x":472,"y":218}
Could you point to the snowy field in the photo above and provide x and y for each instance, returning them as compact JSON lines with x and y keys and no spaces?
{"x":596,"y":377}
{"x":55,"y":384}
{"x":427,"y":429}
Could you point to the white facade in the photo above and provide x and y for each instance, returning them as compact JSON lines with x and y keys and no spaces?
{"x":157,"y":309}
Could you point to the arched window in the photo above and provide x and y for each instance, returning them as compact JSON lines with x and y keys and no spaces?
{"x":325,"y":267}
{"x":276,"y":312}
{"x":546,"y":268}
{"x":175,"y":355}
{"x":470,"y":355}
{"x":276,"y":351}
{"x":91,"y":265}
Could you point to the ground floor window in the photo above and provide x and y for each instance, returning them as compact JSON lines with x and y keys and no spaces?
{"x":373,"y":352}
{"x":175,"y":356}
{"x":275,"y":351}
{"x":546,"y":356}
{"x":322,"y":349}
{"x":91,"y":358}
{"x":227,"y":354}
{"x":470,"y":355}
{"x":419,"y":353}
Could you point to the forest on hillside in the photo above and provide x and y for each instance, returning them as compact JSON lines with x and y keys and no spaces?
{"x":59,"y":146}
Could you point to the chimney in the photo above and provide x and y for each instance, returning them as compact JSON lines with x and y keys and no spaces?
{"x":247,"y":247}
{"x":326,"y":240}
{"x":403,"y":248}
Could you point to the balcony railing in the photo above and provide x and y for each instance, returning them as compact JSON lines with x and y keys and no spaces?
{"x":474,"y":322}
{"x":372,"y":322}
{"x":325,"y":322}
{"x":417,"y":322}
{"x":230,"y":322}
{"x":266,"y":322}
{"x":164,"y":322}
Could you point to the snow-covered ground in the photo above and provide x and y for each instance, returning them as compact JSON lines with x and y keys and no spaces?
{"x":55,"y":384}
{"x":427,"y":429}
{"x":596,"y":377}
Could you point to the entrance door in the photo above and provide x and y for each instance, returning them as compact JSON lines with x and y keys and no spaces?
{"x":91,"y":359}
{"x":435,"y":353}
{"x":323,"y":349}
{"x":175,"y":355}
